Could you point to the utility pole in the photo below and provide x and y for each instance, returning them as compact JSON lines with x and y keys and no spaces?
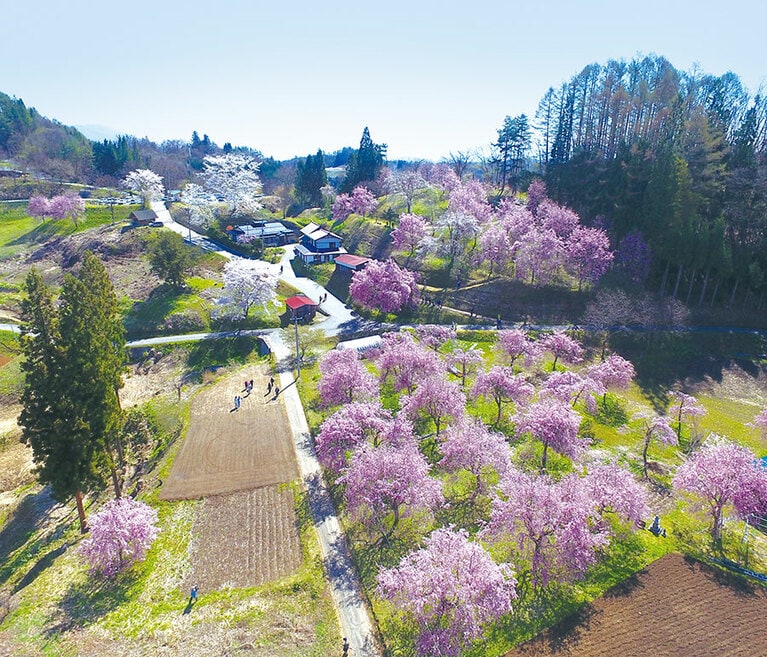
{"x":298,"y":353}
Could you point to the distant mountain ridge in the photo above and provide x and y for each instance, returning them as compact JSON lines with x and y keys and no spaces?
{"x":96,"y":132}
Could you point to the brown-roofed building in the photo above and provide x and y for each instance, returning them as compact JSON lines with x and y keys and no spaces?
{"x":142,"y":217}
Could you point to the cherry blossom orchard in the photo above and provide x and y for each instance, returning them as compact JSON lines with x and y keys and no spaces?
{"x":431,"y":442}
{"x":537,"y":452}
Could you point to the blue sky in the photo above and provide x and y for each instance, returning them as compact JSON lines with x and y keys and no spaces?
{"x":427,"y":77}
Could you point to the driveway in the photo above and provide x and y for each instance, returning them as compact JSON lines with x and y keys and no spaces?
{"x":340,"y":316}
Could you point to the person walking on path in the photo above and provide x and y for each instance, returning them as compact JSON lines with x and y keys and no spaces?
{"x":276,"y":391}
{"x":193,"y":595}
{"x":237,"y":402}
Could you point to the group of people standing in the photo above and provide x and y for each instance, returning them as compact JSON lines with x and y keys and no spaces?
{"x":248,"y":388}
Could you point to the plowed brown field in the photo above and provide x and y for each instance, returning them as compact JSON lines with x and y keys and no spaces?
{"x":676,"y":607}
{"x":227,"y":450}
{"x":245,"y":539}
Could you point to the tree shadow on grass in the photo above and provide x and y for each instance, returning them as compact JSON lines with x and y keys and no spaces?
{"x":92,"y":599}
{"x":664,"y":358}
{"x":30,"y":515}
{"x":41,"y":565}
{"x":208,"y":353}
{"x":40,"y":233}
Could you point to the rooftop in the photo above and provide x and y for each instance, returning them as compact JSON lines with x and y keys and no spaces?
{"x":351,"y":260}
{"x":298,"y":301}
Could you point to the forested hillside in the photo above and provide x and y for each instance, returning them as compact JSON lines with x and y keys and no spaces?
{"x":681,"y":157}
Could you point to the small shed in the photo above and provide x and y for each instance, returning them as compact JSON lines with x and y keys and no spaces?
{"x":301,"y":306}
{"x":350,"y":263}
{"x":142,"y":217}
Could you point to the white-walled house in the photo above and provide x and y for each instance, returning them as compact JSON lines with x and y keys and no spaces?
{"x":318,"y":245}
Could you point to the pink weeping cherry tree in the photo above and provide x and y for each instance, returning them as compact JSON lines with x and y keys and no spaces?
{"x":550,"y":525}
{"x":452,"y":589}
{"x":384,"y":286}
{"x":538,"y":255}
{"x":615,"y":490}
{"x":502,"y":386}
{"x":39,"y":207}
{"x":410,"y":233}
{"x":463,"y":362}
{"x":350,"y":426}
{"x":120,"y":535}
{"x":345,"y":379}
{"x":536,"y":194}
{"x":436,"y":399}
{"x":434,"y":336}
{"x":555,"y":424}
{"x":67,"y":206}
{"x":563,"y":347}
{"x":384,"y":483}
{"x":405,"y":361}
{"x":613,"y":372}
{"x":656,"y":428}
{"x":469,"y":445}
{"x":760,"y":422}
{"x":588,"y":254}
{"x":684,"y":406}
{"x":515,"y":343}
{"x":721,"y":476}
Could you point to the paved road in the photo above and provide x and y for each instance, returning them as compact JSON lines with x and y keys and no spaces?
{"x":344,"y":585}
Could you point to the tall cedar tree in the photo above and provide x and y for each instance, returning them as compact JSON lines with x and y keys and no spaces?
{"x":365,"y":164}
{"x":73,"y":366}
{"x":310,"y":178}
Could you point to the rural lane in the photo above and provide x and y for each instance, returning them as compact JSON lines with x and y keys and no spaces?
{"x":344,"y":584}
{"x":345,"y":588}
{"x":339,"y":314}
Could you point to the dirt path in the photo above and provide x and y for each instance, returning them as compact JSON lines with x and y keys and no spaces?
{"x":228,"y":450}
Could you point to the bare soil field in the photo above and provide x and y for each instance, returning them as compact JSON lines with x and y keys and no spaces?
{"x":245,"y":539}
{"x":676,"y":607}
{"x":228,"y":450}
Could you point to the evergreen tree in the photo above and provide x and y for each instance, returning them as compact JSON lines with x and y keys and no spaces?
{"x":310,"y":178}
{"x":169,"y":257}
{"x":510,"y":150}
{"x":73,"y":371}
{"x":365,"y":164}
